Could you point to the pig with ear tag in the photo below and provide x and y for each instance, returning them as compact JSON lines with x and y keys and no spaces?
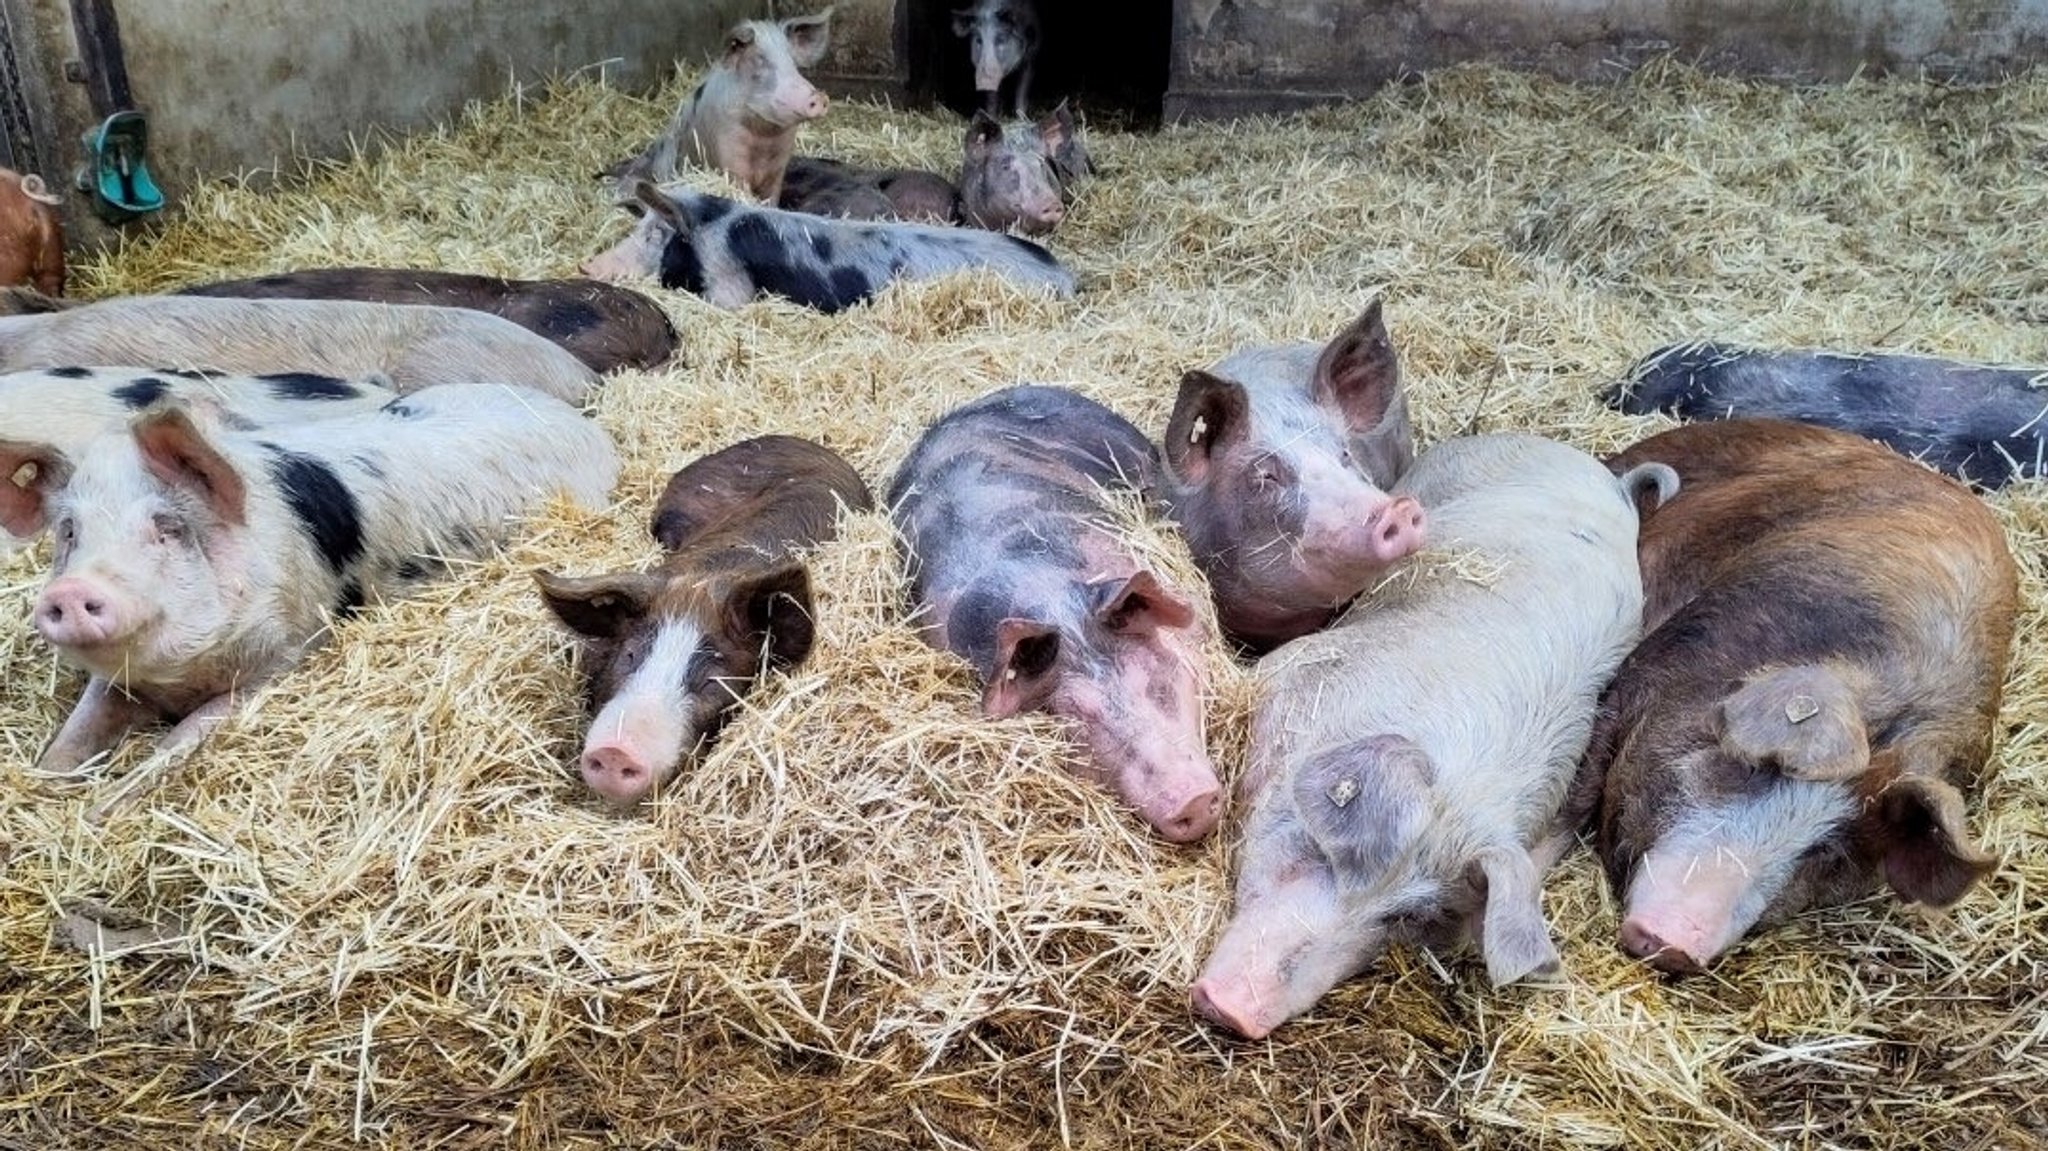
{"x":1829,"y":630}
{"x":1280,"y":462}
{"x":1013,"y":567}
{"x":1411,"y":765}
{"x":196,"y":560}
{"x":668,"y":654}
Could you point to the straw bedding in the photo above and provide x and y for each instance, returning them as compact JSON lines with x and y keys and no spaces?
{"x":377,"y":907}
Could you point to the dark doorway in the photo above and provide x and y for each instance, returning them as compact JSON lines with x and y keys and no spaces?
{"x":1109,"y":58}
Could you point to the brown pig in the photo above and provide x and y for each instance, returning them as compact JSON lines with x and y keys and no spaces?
{"x":668,"y":653}
{"x":1279,"y":461}
{"x":604,"y":325}
{"x":743,"y":118}
{"x":31,"y":237}
{"x":1829,"y":625}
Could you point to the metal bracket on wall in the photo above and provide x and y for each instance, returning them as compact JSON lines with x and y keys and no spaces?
{"x":115,"y":172}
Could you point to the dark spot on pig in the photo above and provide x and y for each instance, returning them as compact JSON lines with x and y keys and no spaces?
{"x":850,"y":284}
{"x":758,"y":249}
{"x":399,"y":408}
{"x":680,"y":268}
{"x":185,"y":373}
{"x":1034,"y":251}
{"x":72,"y":373}
{"x":755,"y":244}
{"x":418,"y":568}
{"x":711,"y":209}
{"x":972,"y":626}
{"x":569,"y":316}
{"x":325,"y":508}
{"x":350,"y":601}
{"x":141,"y":393}
{"x":308,"y":386}
{"x":368,"y":466}
{"x":821,"y":246}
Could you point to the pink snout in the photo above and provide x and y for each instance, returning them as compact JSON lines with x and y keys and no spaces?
{"x":75,"y":612}
{"x":1683,"y":954}
{"x":610,"y":266}
{"x":1230,"y":1002}
{"x":616,"y":770}
{"x":1397,"y":530}
{"x":1186,"y":813}
{"x":802,"y":103}
{"x":1042,"y":218}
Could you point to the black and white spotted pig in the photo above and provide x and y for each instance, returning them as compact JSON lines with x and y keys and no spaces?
{"x":65,"y":408}
{"x":195,"y":560}
{"x":1014,"y":568}
{"x":412,"y":346}
{"x":731,"y":253}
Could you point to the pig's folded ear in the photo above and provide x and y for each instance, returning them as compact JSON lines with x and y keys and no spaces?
{"x":600,"y":606}
{"x":1928,"y":856}
{"x":1209,"y":414}
{"x":1359,"y":371}
{"x":771,"y":612}
{"x":1027,"y":652}
{"x":808,"y":37}
{"x":645,"y":193}
{"x":1140,"y":604}
{"x":31,"y":473}
{"x":1513,"y":937}
{"x":982,"y":133}
{"x":179,"y":456}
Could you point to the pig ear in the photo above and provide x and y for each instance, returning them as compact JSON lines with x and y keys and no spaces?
{"x":739,"y":39}
{"x":1513,"y":937}
{"x":982,"y":133}
{"x":1054,"y":130}
{"x":31,"y":472}
{"x":649,"y":196}
{"x":1359,"y":372}
{"x":1140,"y":604}
{"x":600,"y":606}
{"x":1928,"y":856}
{"x":808,"y":36}
{"x":771,"y":611}
{"x":1026,"y":653}
{"x":177,"y":454}
{"x":1210,"y":414}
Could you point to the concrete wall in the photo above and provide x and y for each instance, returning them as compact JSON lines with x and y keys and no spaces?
{"x":235,"y":85}
{"x":1234,"y":56}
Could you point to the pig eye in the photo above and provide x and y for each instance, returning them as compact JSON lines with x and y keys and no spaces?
{"x":67,"y":531}
{"x":170,"y":528}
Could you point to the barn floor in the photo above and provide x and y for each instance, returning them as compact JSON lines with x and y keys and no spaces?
{"x":377,"y":908}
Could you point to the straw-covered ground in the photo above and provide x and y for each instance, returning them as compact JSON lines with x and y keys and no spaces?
{"x":378,"y":908}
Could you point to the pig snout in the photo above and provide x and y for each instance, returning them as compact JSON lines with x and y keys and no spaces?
{"x":1187,"y":813}
{"x":802,"y":101}
{"x":76,"y":612}
{"x":617,"y":770}
{"x":1396,"y":531}
{"x":1230,"y":1002}
{"x":610,"y":266}
{"x":1641,"y":941}
{"x":634,"y":745}
{"x":1038,"y":219}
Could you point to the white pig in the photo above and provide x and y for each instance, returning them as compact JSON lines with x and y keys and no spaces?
{"x":410,"y":345}
{"x":1410,"y":765}
{"x":743,"y":118}
{"x":195,"y":561}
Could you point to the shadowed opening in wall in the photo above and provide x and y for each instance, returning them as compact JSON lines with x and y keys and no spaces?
{"x":1109,"y":58}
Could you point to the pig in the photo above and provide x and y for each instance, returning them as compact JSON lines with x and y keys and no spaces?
{"x":668,"y":653}
{"x":411,"y":346}
{"x":66,"y":408}
{"x":196,"y":560}
{"x":1828,"y":630}
{"x":31,"y":235}
{"x":731,"y":254}
{"x":1007,"y":177}
{"x":1982,"y":424}
{"x":744,"y":117}
{"x":605,"y":326}
{"x":1278,"y":464}
{"x":1002,"y":40}
{"x":1014,"y":568}
{"x":1410,"y":767}
{"x":829,"y":188}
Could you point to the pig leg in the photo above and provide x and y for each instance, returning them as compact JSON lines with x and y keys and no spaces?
{"x":177,"y":744}
{"x":1807,"y":721}
{"x":103,"y":716}
{"x":1513,"y":938}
